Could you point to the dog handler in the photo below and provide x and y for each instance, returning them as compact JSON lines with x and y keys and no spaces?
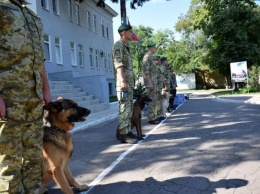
{"x":23,"y":87}
{"x":124,"y":82}
{"x":151,"y":81}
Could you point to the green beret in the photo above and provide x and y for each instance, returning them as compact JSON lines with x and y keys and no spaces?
{"x":124,"y":27}
{"x":151,"y":44}
{"x":163,"y":58}
{"x":155,"y":57}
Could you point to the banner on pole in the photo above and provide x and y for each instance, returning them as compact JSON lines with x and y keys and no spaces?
{"x":239,"y":71}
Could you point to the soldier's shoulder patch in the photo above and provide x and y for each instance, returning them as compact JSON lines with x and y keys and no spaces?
{"x":117,"y":51}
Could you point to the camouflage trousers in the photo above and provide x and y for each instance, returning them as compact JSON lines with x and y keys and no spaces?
{"x":125,"y":112}
{"x":21,"y":151}
{"x":151,"y":110}
{"x":159,"y":109}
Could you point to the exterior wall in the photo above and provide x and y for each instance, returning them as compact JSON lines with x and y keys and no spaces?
{"x":92,"y":79}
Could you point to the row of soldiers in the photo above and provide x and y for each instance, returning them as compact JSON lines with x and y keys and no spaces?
{"x":159,"y":77}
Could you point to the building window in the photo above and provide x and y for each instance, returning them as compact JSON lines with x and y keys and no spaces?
{"x":103,"y":28}
{"x":55,"y":7}
{"x":91,"y":57}
{"x":105,"y":62}
{"x":77,"y":14}
{"x":58,"y":51}
{"x":47,"y":47}
{"x":109,"y":62}
{"x":70,"y":10}
{"x":89,"y":20}
{"x":45,"y":4}
{"x":110,"y":87}
{"x":97,"y":58}
{"x":81,"y":55}
{"x":95,"y":23}
{"x":107,"y":31}
{"x":73,"y":54}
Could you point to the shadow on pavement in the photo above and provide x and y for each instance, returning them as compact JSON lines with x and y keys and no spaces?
{"x":180,"y":185}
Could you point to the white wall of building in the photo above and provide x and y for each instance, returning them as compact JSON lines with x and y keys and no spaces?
{"x":60,"y":26}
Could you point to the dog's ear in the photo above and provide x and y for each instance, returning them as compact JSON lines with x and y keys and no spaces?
{"x":60,"y":98}
{"x":53,"y":106}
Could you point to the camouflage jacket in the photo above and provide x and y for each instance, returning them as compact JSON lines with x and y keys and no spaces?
{"x":161,"y":75}
{"x":122,"y":58}
{"x":21,"y":53}
{"x":173,"y":80}
{"x":149,"y":67}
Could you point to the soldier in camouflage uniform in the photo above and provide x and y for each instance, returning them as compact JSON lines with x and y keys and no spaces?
{"x":124,"y":83}
{"x":23,"y":88}
{"x":173,"y":86}
{"x":162,"y":84}
{"x":167,"y":74}
{"x":151,"y":81}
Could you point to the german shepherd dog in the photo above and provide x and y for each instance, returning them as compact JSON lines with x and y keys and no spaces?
{"x":59,"y":118}
{"x":136,"y":118}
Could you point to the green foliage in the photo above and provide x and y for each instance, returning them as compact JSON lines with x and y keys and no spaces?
{"x":231,"y":29}
{"x":139,"y":89}
{"x":253,"y":80}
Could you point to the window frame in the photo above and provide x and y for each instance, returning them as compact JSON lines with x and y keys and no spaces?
{"x":81,"y":55}
{"x":73,"y":56}
{"x":91,"y":58}
{"x":58,"y":58}
{"x":48,"y":51}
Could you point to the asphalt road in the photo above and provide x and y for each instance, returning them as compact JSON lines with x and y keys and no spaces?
{"x":206,"y":146}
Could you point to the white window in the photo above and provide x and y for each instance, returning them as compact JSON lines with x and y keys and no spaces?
{"x":77,"y":14}
{"x":107,"y":31}
{"x":103,"y":28}
{"x":109,"y":62}
{"x":91,"y":57}
{"x":105,"y":62}
{"x":81,"y":55}
{"x":97,"y":58}
{"x":70,"y":10}
{"x":55,"y":7}
{"x":73,"y":54}
{"x":95,"y":23}
{"x":47,"y":47}
{"x":89,"y":20}
{"x":45,"y":4}
{"x":58,"y":50}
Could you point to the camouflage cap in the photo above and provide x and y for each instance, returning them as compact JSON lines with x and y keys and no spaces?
{"x":151,"y":44}
{"x":163,"y":58}
{"x":124,"y":27}
{"x":156,"y":57}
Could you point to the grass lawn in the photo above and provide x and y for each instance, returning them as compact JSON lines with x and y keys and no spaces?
{"x":217,"y":92}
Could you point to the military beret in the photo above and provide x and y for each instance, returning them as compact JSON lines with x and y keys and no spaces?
{"x":151,"y":44}
{"x":124,"y":27}
{"x":163,"y":58}
{"x":155,"y":57}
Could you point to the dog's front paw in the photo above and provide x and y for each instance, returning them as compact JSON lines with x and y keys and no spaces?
{"x":82,"y":188}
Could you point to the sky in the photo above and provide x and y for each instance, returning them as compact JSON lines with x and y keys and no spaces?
{"x":157,"y":14}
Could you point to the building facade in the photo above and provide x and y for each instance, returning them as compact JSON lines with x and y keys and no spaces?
{"x":78,"y":41}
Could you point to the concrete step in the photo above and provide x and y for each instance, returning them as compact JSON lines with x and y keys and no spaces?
{"x":60,"y":91}
{"x":66,"y":90}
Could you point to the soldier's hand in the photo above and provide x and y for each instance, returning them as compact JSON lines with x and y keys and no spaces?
{"x":2,"y":108}
{"x":124,"y":87}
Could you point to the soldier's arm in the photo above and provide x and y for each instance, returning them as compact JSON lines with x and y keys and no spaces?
{"x":119,"y":66}
{"x":2,"y":107}
{"x":121,"y":76}
{"x":146,"y":71}
{"x":46,"y":88}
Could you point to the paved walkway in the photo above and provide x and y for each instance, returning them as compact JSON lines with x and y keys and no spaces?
{"x":112,"y":112}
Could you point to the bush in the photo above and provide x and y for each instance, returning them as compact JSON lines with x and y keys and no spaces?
{"x":253,"y":79}
{"x":139,"y":89}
